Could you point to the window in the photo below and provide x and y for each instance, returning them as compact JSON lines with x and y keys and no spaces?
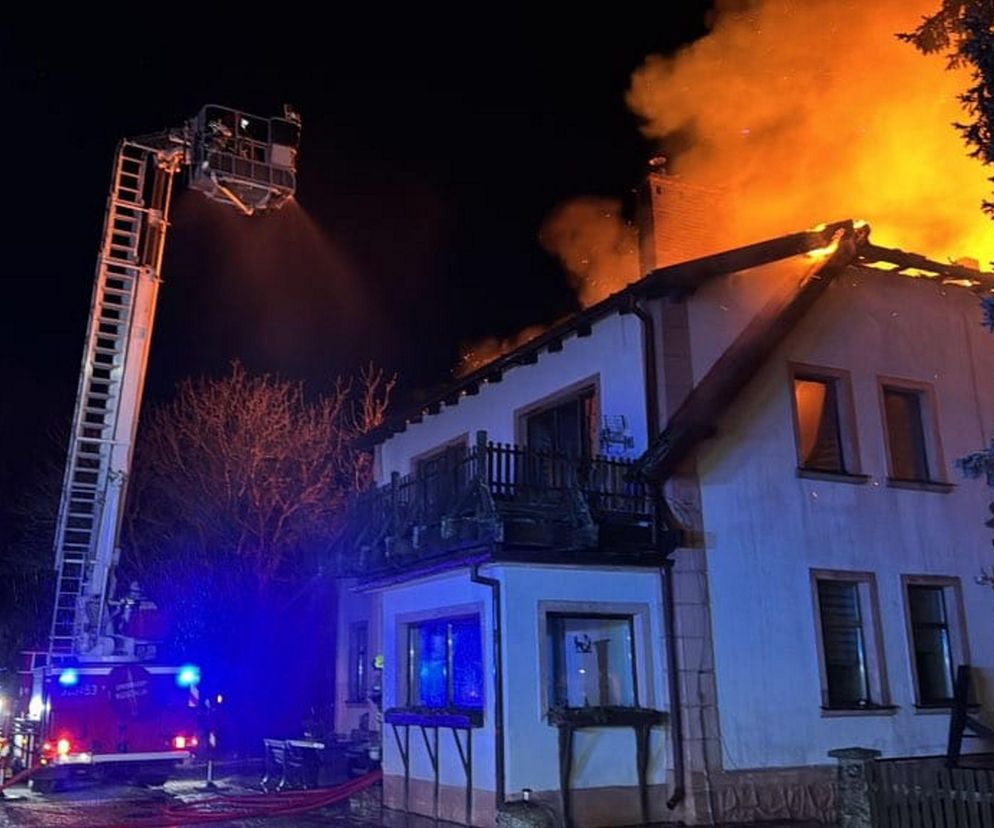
{"x":936,"y":636}
{"x":930,"y":637}
{"x":358,"y":670}
{"x":441,"y":475}
{"x":445,"y":662}
{"x":912,"y":442}
{"x":852,"y":668}
{"x":592,"y":659}
{"x":823,"y":417}
{"x":567,"y":428}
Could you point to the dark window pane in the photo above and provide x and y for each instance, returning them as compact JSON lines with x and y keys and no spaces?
{"x":566,"y":428}
{"x":358,"y":644}
{"x":820,"y":438}
{"x":440,"y":477}
{"x":593,"y":661}
{"x":842,"y":637}
{"x":930,"y":633}
{"x":906,"y":434}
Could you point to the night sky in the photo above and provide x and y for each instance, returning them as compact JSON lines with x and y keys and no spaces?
{"x":433,"y":147}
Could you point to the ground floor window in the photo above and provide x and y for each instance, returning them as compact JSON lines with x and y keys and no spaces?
{"x":445,"y":661}
{"x":937,"y":636}
{"x":849,"y":629}
{"x":592,"y":659}
{"x":358,"y":659}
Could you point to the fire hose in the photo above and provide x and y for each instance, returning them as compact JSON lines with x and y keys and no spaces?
{"x":226,"y":807}
{"x":19,"y":777}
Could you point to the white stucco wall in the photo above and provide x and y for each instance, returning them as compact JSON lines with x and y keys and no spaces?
{"x":767,"y":528}
{"x":436,"y":596}
{"x":611,"y":355}
{"x":601,"y":756}
{"x":722,"y":307}
{"x":354,"y":606}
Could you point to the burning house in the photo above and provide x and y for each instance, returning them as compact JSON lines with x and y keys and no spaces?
{"x":659,"y":560}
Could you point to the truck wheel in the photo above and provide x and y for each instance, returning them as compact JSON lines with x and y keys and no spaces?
{"x":45,"y":786}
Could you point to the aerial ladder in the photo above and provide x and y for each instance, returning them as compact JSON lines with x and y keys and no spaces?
{"x":232,"y":157}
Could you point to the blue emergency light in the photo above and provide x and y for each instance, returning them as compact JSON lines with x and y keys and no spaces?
{"x":188,"y":675}
{"x":68,"y":678}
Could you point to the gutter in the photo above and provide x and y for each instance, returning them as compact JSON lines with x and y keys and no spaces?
{"x":494,"y":585}
{"x":666,"y":536}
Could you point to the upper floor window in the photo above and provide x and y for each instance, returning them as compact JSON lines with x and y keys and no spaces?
{"x":445,"y":663}
{"x":823,"y":419}
{"x":440,"y":474}
{"x":566,"y":427}
{"x":909,"y":438}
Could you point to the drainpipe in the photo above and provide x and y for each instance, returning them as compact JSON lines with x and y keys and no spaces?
{"x":665,"y":535}
{"x":494,"y":585}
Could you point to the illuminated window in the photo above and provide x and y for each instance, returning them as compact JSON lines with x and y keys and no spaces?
{"x":907,"y":436}
{"x":445,"y":663}
{"x":822,"y":416}
{"x":851,"y":660}
{"x":358,"y":661}
{"x":592,"y":659}
{"x":936,"y":636}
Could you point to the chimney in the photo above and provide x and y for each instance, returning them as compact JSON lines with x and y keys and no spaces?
{"x":678,"y":220}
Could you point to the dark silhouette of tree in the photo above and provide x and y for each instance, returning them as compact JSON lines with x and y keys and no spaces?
{"x":964,"y":31}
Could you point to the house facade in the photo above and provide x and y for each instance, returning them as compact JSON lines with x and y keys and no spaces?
{"x":656,"y":562}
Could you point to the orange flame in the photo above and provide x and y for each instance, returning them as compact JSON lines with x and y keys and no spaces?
{"x":812,"y":109}
{"x":477,"y":354}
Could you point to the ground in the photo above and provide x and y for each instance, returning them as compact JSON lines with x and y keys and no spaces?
{"x":119,"y":806}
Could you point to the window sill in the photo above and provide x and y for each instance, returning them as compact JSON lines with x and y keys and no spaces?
{"x":941,"y":709}
{"x":921,"y":485}
{"x":833,"y":477}
{"x":464,"y":717}
{"x":869,"y":710}
{"x":577,"y":717}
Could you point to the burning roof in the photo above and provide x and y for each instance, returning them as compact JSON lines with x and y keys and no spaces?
{"x":682,"y":279}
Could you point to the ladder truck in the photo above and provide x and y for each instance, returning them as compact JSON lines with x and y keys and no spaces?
{"x":97,"y":701}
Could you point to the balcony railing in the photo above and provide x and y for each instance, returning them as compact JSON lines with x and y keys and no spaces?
{"x":489,"y":484}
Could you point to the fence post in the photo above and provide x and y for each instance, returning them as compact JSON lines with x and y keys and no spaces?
{"x":855,"y":802}
{"x":481,"y":456}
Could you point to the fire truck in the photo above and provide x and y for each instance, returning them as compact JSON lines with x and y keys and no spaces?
{"x":98,"y":700}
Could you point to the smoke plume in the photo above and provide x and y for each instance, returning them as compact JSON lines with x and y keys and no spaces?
{"x":807,"y":111}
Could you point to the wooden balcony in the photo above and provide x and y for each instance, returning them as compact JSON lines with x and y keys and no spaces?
{"x":499,"y":502}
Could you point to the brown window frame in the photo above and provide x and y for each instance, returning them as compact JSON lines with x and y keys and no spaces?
{"x":937,"y":477}
{"x":878,"y":690}
{"x":841,"y":381}
{"x":959,"y":645}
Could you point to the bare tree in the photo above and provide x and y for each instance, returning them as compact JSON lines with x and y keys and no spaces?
{"x":242,"y":480}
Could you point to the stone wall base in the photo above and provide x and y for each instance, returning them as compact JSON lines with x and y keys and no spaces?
{"x":451,"y":800}
{"x":806,"y":794}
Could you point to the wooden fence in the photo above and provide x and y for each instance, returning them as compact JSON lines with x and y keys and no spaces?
{"x":924,"y":793}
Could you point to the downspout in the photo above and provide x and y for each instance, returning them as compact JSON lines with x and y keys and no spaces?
{"x":498,"y":649}
{"x":666,"y":537}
